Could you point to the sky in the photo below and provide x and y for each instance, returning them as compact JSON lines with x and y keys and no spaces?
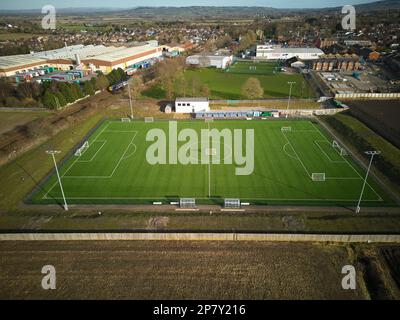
{"x":36,"y":4}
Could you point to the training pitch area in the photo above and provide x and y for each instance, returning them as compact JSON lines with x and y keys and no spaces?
{"x":295,"y":163}
{"x":255,"y":67}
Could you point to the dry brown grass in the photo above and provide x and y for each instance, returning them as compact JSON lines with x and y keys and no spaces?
{"x":176,"y":270}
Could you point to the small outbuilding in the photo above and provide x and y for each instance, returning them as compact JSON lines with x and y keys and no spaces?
{"x":192,"y":105}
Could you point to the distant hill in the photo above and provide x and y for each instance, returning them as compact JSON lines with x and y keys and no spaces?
{"x":205,"y":11}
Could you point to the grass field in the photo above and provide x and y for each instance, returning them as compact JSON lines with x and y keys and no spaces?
{"x":16,"y":36}
{"x":227,"y":84}
{"x":114,"y":169}
{"x":254,"y":68}
{"x":11,"y":119}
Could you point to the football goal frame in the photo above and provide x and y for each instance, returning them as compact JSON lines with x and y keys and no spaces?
{"x":318,"y":176}
{"x":342,"y":151}
{"x":286,"y":129}
{"x":210,"y":152}
{"x":148,"y":119}
{"x":187,"y":203}
{"x":125,"y":119}
{"x":82,"y":149}
{"x":231,"y":203}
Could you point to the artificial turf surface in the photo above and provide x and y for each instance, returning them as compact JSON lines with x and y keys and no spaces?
{"x":114,"y":168}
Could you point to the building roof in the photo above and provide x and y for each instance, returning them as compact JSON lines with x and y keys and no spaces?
{"x":98,"y":52}
{"x":123,"y":53}
{"x":208,"y":56}
{"x":197,"y":99}
{"x":277,"y":49}
{"x":11,"y":62}
{"x":70,"y":52}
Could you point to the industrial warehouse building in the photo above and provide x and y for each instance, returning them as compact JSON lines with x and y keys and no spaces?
{"x":91,"y":57}
{"x":191,"y":105}
{"x":210,"y":60}
{"x":276,"y":52}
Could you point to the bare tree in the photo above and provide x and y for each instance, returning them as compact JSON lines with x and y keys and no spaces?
{"x":252,"y":89}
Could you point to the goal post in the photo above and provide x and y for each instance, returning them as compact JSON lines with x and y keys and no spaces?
{"x":82,"y":149}
{"x":286,"y":129}
{"x":148,"y":119}
{"x":210,"y":151}
{"x":232,"y":203}
{"x":318,"y":176}
{"x":187,"y":203}
{"x":125,"y":119}
{"x":335,"y":144}
{"x":342,"y":151}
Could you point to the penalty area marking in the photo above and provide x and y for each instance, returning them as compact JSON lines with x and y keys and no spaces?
{"x":95,"y":177}
{"x":345,"y":160}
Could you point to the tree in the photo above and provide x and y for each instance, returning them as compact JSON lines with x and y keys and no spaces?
{"x":167,"y":72}
{"x":102,"y":82}
{"x":136,"y":86}
{"x":49,"y":100}
{"x":205,"y":91}
{"x":61,"y":101}
{"x":6,"y":88}
{"x":252,"y":89}
{"x":169,"y":88}
{"x":29,"y":90}
{"x":88,"y":88}
{"x":67,"y":92}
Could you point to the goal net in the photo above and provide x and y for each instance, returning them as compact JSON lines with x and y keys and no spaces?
{"x":82,"y":149}
{"x":342,"y":151}
{"x":208,"y":119}
{"x":125,"y":120}
{"x":148,"y":119}
{"x":187,"y":203}
{"x":232,"y":203}
{"x":286,"y":128}
{"x":318,"y":177}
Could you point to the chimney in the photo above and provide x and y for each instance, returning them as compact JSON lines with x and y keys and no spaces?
{"x":77,"y":59}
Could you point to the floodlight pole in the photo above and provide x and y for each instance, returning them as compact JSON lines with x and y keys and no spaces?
{"x":130,"y":99}
{"x":372,"y":154}
{"x":53,"y":152}
{"x":291,"y":83}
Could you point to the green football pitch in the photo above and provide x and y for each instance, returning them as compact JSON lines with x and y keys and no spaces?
{"x":114,"y":168}
{"x":250,"y":67}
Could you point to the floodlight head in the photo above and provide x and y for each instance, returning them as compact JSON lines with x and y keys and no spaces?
{"x":372,"y":153}
{"x":52,"y":151}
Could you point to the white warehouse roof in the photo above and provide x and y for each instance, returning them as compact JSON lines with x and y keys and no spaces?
{"x":19,"y":60}
{"x":123,"y":53}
